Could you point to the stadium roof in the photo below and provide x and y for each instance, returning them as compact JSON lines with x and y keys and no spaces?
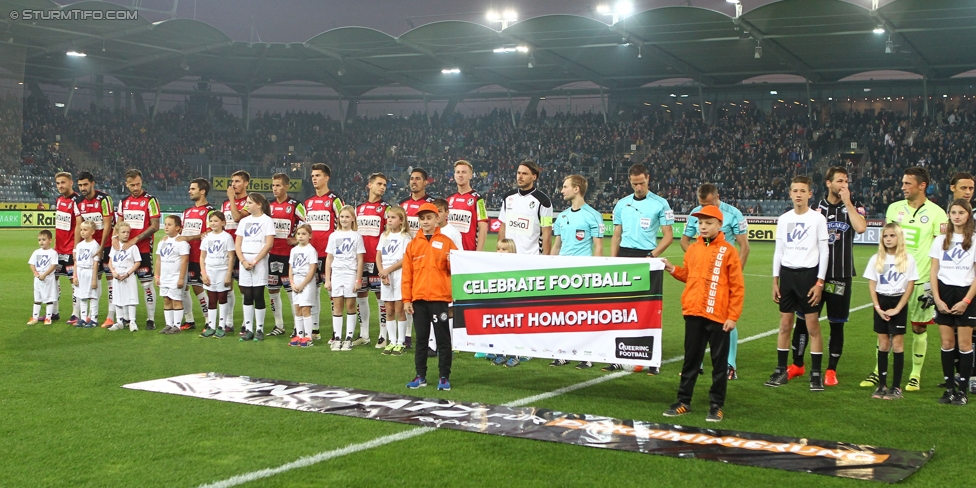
{"x":819,"y":40}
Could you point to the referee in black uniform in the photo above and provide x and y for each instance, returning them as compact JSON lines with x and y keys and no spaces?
{"x":845,"y":217}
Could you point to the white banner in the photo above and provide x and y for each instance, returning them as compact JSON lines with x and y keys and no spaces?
{"x":561,"y":307}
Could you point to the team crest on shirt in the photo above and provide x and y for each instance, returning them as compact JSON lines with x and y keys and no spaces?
{"x":580,"y":235}
{"x":471,"y":201}
{"x":924,"y":219}
{"x":531,"y":204}
{"x":288,"y":209}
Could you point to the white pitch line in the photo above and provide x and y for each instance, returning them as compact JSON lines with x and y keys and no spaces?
{"x":306,"y":461}
{"x":770,"y":276}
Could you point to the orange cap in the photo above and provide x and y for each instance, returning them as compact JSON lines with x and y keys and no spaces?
{"x":709,"y":211}
{"x":427,"y":207}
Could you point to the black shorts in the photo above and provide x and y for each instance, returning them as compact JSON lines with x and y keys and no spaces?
{"x":837,"y":298}
{"x":896,"y":325}
{"x":193,"y":277}
{"x":278,"y":272}
{"x":371,"y":278}
{"x":952,"y":295}
{"x":629,"y":252}
{"x":66,"y":265}
{"x":145,"y":271}
{"x":794,"y":284}
{"x":104,"y":269}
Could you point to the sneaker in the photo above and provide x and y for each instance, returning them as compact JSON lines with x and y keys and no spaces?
{"x":715,"y":414}
{"x":794,"y":371}
{"x":871,"y":380}
{"x":150,"y":324}
{"x":381,"y":343}
{"x":175,"y":330}
{"x":652,"y":371}
{"x":431,"y":353}
{"x":220,"y":333}
{"x":47,"y":321}
{"x":108,"y":323}
{"x":398,"y":350}
{"x":117,"y":326}
{"x":336,"y":345}
{"x":316,"y":336}
{"x":362,"y":341}
{"x":229,"y":329}
{"x":913,"y":384}
{"x":277,"y":331}
{"x":480,"y":355}
{"x":346,"y":345}
{"x":246,"y":336}
{"x":611,"y":367}
{"x":816,"y":381}
{"x":91,"y":324}
{"x":830,"y":378}
{"x":584,"y":365}
{"x":407,"y":343}
{"x":73,"y":320}
{"x":208,"y":332}
{"x":894,"y":394}
{"x":444,"y":384}
{"x":417,"y":382}
{"x":559,"y":362}
{"x":512,"y":362}
{"x":33,"y":321}
{"x":388,"y":349}
{"x":295,"y":341}
{"x":880,"y":392}
{"x":777,"y":379}
{"x":947,"y":397}
{"x":305,"y":342}
{"x":56,"y":317}
{"x":188,"y":326}
{"x":960,"y":398}
{"x":677,"y":409}
{"x":732,"y":374}
{"x":259,"y":335}
{"x":133,"y":327}
{"x":499,"y":360}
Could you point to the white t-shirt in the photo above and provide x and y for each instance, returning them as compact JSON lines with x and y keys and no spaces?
{"x":344,"y":246}
{"x":956,"y":264}
{"x":170,"y":252}
{"x":43,"y":260}
{"x":890,"y":282}
{"x":86,"y":254}
{"x":123,"y":261}
{"x":217,"y":246}
{"x":798,"y":239}
{"x":253,"y":232}
{"x":301,"y":261}
{"x":391,"y":247}
{"x":524,"y":216}
{"x":452,"y":233}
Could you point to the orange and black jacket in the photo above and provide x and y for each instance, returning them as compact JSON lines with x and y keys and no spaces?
{"x":714,"y":285}
{"x":427,"y":269}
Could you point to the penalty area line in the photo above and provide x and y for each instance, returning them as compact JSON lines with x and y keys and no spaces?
{"x":306,"y":461}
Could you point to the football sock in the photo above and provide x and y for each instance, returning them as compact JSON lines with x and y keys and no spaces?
{"x":391,"y":330}
{"x":782,"y":355}
{"x":382,"y":309}
{"x":402,"y":327}
{"x":57,"y":302}
{"x":363,"y":305}
{"x":93,"y":307}
{"x":966,"y":365}
{"x":212,"y":317}
{"x":83,"y":310}
{"x":147,"y":288}
{"x":36,"y":312}
{"x":883,"y":368}
{"x":409,"y":323}
{"x":350,"y":325}
{"x":259,"y":314}
{"x":733,"y":345}
{"x":835,"y":346}
{"x":816,"y":361}
{"x":110,"y":314}
{"x":228,"y":317}
{"x":75,"y":308}
{"x":177,"y":317}
{"x":920,"y":342}
{"x":249,"y":317}
{"x":336,"y":326}
{"x":316,"y":308}
{"x":800,"y":340}
{"x":898,"y":368}
{"x":130,"y":312}
{"x":168,"y":317}
{"x":223,"y":309}
{"x":948,"y":367}
{"x":50,"y":310}
{"x":276,"y":310}
{"x":295,"y":316}
{"x":188,"y":298}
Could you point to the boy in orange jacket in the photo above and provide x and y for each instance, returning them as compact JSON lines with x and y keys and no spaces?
{"x":426,"y":291}
{"x":711,"y":304}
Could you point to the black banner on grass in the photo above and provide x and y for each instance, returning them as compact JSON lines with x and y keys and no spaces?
{"x":787,"y":453}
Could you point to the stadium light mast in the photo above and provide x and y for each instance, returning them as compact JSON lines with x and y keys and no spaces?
{"x":622,"y":9}
{"x":738,"y":7}
{"x":504,"y":18}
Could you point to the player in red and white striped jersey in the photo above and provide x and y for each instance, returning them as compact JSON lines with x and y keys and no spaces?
{"x":196,"y":223}
{"x":467,"y":209}
{"x":95,"y":206}
{"x":235,"y":209}
{"x":322,"y":214}
{"x":66,"y":235}
{"x":418,"y":196}
{"x":287,"y":214}
{"x":371,"y":220}
{"x":141,"y":211}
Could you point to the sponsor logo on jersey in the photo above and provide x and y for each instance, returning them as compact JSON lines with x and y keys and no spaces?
{"x":890,"y":276}
{"x":796,"y":232}
{"x":346,"y":246}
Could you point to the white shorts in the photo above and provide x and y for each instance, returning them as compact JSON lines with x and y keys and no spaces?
{"x":217,"y":277}
{"x":257,"y":276}
{"x":172,"y":293}
{"x":391,"y":292}
{"x":126,"y":292}
{"x":46,"y":291}
{"x":307,"y":297}
{"x":84,"y":290}
{"x":344,"y":285}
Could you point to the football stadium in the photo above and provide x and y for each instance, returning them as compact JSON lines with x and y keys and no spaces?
{"x":576,"y":212}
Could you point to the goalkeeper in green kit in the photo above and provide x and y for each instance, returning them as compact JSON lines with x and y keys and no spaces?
{"x":921,"y":220}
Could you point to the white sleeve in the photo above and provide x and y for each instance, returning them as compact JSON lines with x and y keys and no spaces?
{"x":870,"y":271}
{"x":360,"y":245}
{"x":269,"y":228}
{"x":778,"y":252}
{"x":824,"y":246}
{"x":912,"y":270}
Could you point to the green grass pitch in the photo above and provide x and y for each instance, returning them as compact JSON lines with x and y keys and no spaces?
{"x":65,"y":421}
